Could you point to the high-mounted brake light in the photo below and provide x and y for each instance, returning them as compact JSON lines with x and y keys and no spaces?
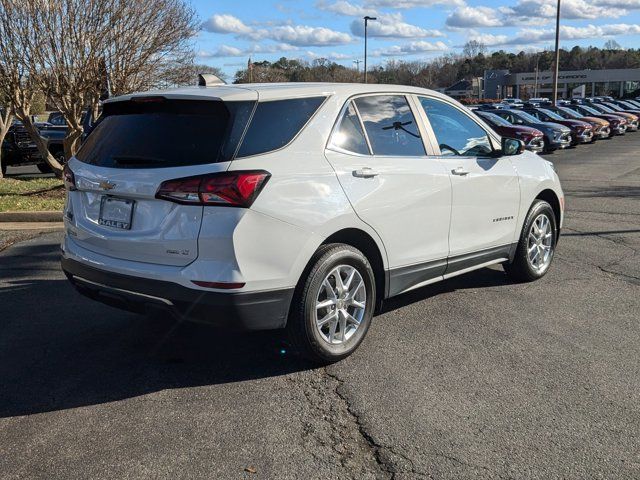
{"x":68,"y":178}
{"x":228,"y":189}
{"x":149,"y":99}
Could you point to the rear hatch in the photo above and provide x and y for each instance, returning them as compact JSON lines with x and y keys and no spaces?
{"x":136,"y":146}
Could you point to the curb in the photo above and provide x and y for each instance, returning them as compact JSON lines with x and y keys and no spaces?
{"x":51,"y":216}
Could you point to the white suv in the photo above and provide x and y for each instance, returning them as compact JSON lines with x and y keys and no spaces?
{"x":298,"y":206}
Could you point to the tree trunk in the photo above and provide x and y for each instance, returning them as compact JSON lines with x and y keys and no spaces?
{"x":40,"y":142}
{"x":71,"y":142}
{"x":5,"y":123}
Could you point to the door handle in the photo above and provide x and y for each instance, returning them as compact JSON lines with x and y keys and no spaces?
{"x":460,"y":171}
{"x":365,"y":172}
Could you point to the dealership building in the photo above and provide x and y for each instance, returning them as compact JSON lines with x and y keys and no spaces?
{"x":615,"y":82}
{"x":577,"y":83}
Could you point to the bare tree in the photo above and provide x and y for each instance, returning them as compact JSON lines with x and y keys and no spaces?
{"x":72,"y":46}
{"x":147,"y":42}
{"x":473,"y":48}
{"x":18,"y":84}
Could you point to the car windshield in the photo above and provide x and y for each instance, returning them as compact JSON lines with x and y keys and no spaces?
{"x":569,"y":113}
{"x":614,"y":107}
{"x":628,"y":105}
{"x":590,"y":110}
{"x":551,"y":114}
{"x":526,"y":116}
{"x":495,"y":119}
{"x":604,"y":109}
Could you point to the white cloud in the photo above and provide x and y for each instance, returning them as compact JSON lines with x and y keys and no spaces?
{"x":226,"y":24}
{"x":537,"y":36}
{"x":348,"y":9}
{"x":299,"y":35}
{"x":406,"y":4}
{"x":466,"y":16}
{"x":329,"y":56}
{"x":525,"y":10}
{"x":412,"y":48}
{"x":392,"y":25}
{"x":230,"y":51}
{"x":537,"y":12}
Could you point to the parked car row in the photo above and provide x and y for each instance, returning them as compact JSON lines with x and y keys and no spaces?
{"x":546,"y":127}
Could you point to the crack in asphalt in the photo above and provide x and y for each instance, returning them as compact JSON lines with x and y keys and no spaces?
{"x":331,"y":433}
{"x":359,"y":452}
{"x":388,"y":460}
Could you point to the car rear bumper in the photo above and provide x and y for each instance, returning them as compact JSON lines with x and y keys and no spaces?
{"x":259,"y":310}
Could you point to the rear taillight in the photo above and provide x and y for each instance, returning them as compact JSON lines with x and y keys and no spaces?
{"x":68,"y":178}
{"x":228,"y":189}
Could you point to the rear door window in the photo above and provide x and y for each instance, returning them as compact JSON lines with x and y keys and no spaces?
{"x":275,"y":123}
{"x":390,"y":125}
{"x":349,"y":134}
{"x":155,"y":132}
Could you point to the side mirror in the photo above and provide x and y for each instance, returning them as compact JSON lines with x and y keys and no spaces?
{"x":512,"y":146}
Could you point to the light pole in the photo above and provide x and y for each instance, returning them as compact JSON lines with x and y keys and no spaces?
{"x":366,"y":21}
{"x":557,"y":62}
{"x":535,"y":86}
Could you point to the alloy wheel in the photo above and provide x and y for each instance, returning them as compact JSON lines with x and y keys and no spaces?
{"x":540,"y":243}
{"x":340,"y":304}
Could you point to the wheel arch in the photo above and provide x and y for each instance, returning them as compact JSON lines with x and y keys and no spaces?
{"x":367,"y":245}
{"x":552,"y":199}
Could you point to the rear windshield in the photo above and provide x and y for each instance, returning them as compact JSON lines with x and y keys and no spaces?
{"x":154,"y":132}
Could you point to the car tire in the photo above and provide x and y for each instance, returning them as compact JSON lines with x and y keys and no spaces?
{"x":536,"y":246}
{"x":44,"y":168}
{"x":327,"y":334}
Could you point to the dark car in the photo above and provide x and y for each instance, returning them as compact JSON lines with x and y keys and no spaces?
{"x":601,"y":127}
{"x":581,"y":132}
{"x":618,"y":123}
{"x":555,"y":135}
{"x":18,"y":149}
{"x":532,"y":137}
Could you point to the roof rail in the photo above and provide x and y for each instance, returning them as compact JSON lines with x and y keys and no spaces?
{"x":208,"y":79}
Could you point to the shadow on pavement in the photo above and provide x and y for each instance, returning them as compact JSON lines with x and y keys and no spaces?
{"x":59,"y":350}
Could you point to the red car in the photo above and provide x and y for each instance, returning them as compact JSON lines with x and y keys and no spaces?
{"x":532,"y":137}
{"x":581,"y":132}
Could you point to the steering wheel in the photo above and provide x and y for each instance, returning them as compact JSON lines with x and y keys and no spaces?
{"x":444,"y":146}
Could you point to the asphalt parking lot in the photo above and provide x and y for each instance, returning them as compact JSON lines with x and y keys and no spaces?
{"x":475,"y":377}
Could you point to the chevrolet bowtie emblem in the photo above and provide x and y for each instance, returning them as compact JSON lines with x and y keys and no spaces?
{"x":106,"y":185}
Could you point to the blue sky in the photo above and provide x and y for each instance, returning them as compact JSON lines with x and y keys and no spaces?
{"x":234,"y":30}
